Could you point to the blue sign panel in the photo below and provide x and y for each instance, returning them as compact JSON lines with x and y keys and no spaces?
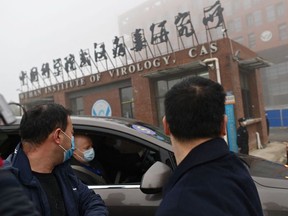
{"x":231,"y":128}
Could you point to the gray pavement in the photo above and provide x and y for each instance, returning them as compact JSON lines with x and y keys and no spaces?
{"x":276,"y":149}
{"x":278,"y":134}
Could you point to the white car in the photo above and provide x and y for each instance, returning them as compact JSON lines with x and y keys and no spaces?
{"x":127,"y":148}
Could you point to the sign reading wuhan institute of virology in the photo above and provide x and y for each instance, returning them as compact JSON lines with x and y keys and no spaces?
{"x":49,"y":82}
{"x":121,"y":71}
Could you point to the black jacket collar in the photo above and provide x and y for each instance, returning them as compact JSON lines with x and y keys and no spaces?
{"x":203,"y":153}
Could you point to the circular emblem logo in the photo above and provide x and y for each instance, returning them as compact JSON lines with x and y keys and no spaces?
{"x":101,"y":108}
{"x":266,"y":36}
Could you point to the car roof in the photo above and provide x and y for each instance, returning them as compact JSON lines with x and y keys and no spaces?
{"x":129,"y":126}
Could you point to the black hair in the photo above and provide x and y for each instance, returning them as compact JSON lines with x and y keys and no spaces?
{"x":38,"y":122}
{"x":195,"y":108}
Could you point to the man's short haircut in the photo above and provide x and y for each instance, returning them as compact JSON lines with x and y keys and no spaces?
{"x":38,"y":122}
{"x":195,"y":108}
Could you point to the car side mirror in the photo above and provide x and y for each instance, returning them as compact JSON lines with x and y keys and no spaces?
{"x":155,"y":178}
{"x":5,"y":112}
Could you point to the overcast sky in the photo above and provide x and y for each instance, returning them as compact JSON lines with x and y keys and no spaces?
{"x":33,"y":32}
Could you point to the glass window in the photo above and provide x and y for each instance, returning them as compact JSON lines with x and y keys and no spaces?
{"x":257,"y":18}
{"x":280,"y":9}
{"x":127,"y":102}
{"x":238,"y":24}
{"x":283,"y":33}
{"x":77,"y":106}
{"x":171,"y":83}
{"x":245,"y":90}
{"x":162,"y":86}
{"x":270,"y":13}
{"x":275,"y":93}
{"x":251,"y":40}
{"x":118,"y":160}
{"x":250,"y":20}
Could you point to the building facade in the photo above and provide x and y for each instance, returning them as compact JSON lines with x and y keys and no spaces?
{"x":260,"y":25}
{"x":137,"y":90}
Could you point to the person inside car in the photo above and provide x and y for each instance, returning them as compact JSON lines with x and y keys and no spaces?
{"x":209,"y":179}
{"x":43,"y":169}
{"x":89,"y":169}
{"x":127,"y":161}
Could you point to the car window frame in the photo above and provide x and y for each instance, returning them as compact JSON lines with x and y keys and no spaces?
{"x":166,"y":156}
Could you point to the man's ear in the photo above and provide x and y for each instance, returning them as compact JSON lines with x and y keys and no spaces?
{"x":166,"y":126}
{"x":56,"y":136}
{"x":223,"y":125}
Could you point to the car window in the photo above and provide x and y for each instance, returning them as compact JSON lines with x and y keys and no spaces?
{"x":8,"y":142}
{"x":259,"y":167}
{"x":120,"y":158}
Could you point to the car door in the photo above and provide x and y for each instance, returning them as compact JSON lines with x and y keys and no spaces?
{"x":125,"y":158}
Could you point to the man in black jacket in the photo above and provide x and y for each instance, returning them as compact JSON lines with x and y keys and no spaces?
{"x":209,"y":179}
{"x":42,"y":164}
{"x":13,"y":201}
{"x":243,"y":137}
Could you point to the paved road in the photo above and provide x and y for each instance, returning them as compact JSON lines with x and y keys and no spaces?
{"x":276,"y":149}
{"x":278,"y":134}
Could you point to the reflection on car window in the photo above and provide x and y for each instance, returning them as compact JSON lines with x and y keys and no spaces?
{"x":142,"y":127}
{"x":263,"y":168}
{"x":151,"y":131}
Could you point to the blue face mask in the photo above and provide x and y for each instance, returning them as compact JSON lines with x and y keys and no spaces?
{"x":89,"y":155}
{"x":68,"y":153}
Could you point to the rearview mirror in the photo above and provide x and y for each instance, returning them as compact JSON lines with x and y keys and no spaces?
{"x":155,"y":178}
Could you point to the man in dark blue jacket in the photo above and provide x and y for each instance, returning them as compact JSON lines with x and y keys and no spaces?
{"x":209,"y":179}
{"x":13,"y":201}
{"x":243,"y":136}
{"x":42,"y":167}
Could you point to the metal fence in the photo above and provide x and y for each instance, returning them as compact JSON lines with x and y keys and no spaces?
{"x":278,"y":117}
